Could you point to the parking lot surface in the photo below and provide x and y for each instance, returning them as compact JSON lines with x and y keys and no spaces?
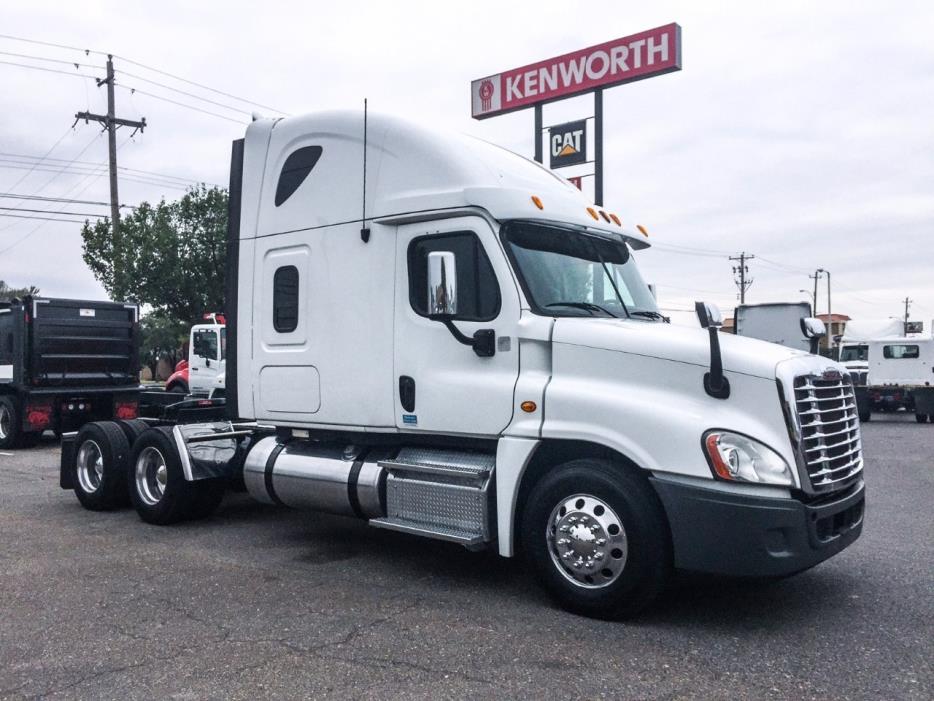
{"x":263,"y":602}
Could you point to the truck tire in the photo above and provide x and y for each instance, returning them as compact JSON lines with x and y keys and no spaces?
{"x":132,"y":429}
{"x":865,"y":416}
{"x":177,"y":388}
{"x":921,"y":418}
{"x":100,"y":466}
{"x":158,"y":489}
{"x":598,"y":538}
{"x":11,"y":424}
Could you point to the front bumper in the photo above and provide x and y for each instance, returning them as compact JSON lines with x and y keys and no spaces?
{"x":735,"y":534}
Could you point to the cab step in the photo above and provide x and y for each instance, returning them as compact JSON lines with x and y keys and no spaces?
{"x":464,"y":538}
{"x":442,"y":494}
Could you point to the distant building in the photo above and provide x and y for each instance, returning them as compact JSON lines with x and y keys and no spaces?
{"x":729,"y":325}
{"x":836,"y":327}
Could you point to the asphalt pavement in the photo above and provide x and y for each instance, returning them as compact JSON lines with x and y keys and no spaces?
{"x":261,"y":602}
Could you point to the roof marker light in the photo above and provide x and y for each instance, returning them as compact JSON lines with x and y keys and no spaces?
{"x":537,"y":202}
{"x":605,"y":216}
{"x":642,"y":229}
{"x":615,"y":220}
{"x":592,"y":212}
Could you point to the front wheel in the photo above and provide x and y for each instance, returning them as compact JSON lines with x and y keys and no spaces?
{"x":598,"y":538}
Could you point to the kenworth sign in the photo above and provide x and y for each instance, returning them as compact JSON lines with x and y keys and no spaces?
{"x":624,"y":60}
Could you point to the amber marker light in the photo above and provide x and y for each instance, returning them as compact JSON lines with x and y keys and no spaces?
{"x":642,"y":229}
{"x":537,"y":202}
{"x":592,"y":212}
{"x":719,"y":465}
{"x":606,"y":217}
{"x":528,"y":407}
{"x":616,"y":220}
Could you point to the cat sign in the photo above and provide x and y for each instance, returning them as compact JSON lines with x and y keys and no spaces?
{"x":568,"y":144}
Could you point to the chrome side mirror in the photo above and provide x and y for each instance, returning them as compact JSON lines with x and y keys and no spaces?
{"x":708,"y":315}
{"x":442,"y":284}
{"x":813,"y":328}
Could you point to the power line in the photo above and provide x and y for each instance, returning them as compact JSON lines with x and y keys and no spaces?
{"x":18,"y":216}
{"x":47,"y":70}
{"x":46,"y":211}
{"x":181,"y":104}
{"x":146,"y":67}
{"x":59,"y":172}
{"x":76,"y":64}
{"x":200,"y":85}
{"x":84,"y":170}
{"x":49,"y":43}
{"x":91,"y":180}
{"x":4,"y":155}
{"x":60,"y":200}
{"x":183,"y":92}
{"x":44,"y":157}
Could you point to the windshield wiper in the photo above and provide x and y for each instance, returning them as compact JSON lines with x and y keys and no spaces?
{"x":649,"y":315}
{"x":586,"y":306}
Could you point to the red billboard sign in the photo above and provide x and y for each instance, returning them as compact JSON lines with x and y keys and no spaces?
{"x":643,"y":55}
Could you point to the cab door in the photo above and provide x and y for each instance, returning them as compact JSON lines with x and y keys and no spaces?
{"x":441,"y":384}
{"x":204,"y":359}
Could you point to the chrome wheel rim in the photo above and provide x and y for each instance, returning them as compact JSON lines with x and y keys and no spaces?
{"x":151,"y":475}
{"x":6,"y":422}
{"x":587,"y":541}
{"x":90,"y":462}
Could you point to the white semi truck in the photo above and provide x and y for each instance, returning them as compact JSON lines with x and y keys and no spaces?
{"x":451,"y":342}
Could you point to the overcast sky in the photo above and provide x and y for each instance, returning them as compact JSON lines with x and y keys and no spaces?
{"x":800,"y":132}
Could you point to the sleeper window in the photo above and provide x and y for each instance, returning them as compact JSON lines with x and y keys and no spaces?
{"x":478,"y":297}
{"x":294,"y":171}
{"x":285,"y":299}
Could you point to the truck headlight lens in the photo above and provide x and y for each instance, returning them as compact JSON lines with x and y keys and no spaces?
{"x":737,"y":458}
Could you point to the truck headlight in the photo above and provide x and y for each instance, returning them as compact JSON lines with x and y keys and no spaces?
{"x":738,"y":458}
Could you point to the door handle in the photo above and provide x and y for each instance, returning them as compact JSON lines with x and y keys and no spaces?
{"x":407,"y":393}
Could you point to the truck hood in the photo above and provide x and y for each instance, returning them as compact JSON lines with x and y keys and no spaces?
{"x":679,"y":344}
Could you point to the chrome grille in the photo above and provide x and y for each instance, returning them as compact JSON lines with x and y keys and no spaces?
{"x":829,"y":424}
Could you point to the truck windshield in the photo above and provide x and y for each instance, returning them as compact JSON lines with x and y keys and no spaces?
{"x":851,"y":353}
{"x":568,"y":272}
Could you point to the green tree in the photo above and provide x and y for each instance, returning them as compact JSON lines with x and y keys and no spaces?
{"x":169,"y":256}
{"x":7,"y":293}
{"x":161,"y":336}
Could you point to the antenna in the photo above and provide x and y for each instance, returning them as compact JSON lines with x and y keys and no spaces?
{"x":364,"y":231}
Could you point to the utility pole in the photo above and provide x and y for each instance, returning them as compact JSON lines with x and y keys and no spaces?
{"x":111,"y":122}
{"x":815,"y":277}
{"x":739,"y":272}
{"x":907,"y":303}
{"x":829,"y":317}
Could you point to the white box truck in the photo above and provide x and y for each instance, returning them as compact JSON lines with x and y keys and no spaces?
{"x":901,"y":374}
{"x":477,"y":359}
{"x":775,"y":322}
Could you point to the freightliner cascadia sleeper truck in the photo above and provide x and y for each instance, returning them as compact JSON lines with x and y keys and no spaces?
{"x":477,"y":359}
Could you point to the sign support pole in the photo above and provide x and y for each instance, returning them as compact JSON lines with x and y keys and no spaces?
{"x":598,"y":146}
{"x":538,"y":133}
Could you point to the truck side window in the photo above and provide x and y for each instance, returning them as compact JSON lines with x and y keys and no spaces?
{"x":205,"y":344}
{"x":285,"y":299}
{"x":900,"y":352}
{"x":478,"y":295}
{"x":294,"y":171}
